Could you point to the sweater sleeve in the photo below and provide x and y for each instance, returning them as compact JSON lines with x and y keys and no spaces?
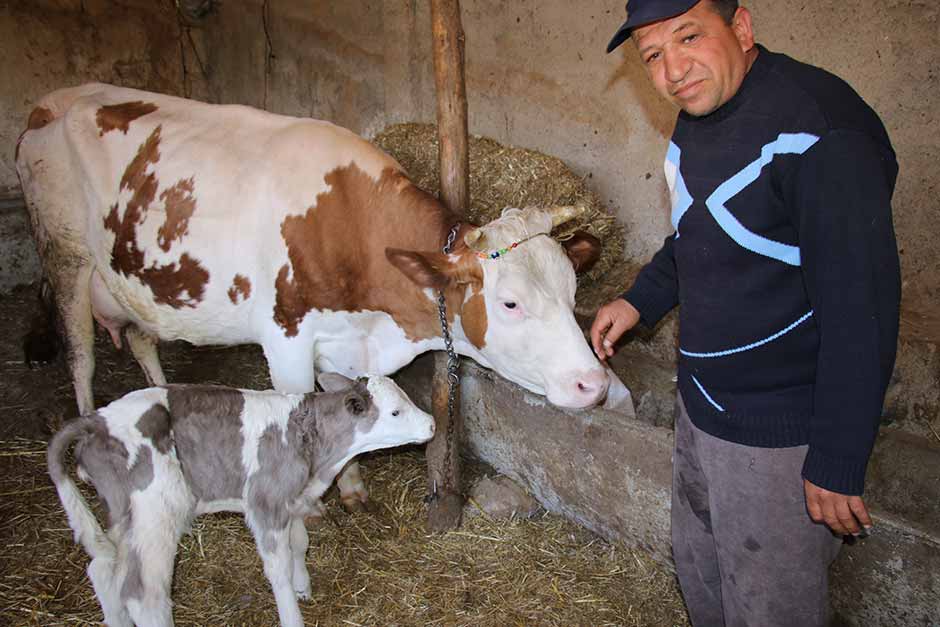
{"x":656,"y":289}
{"x":849,"y":258}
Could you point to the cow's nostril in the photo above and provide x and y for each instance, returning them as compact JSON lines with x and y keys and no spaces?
{"x":584,"y":387}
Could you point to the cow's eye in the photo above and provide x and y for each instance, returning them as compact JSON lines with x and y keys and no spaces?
{"x":396,"y":412}
{"x":509,"y":304}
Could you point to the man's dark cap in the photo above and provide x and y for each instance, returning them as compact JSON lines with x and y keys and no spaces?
{"x":643,"y":12}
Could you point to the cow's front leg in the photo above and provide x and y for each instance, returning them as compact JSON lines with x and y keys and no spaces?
{"x":299,"y":539}
{"x":352,"y":490}
{"x":290,"y":362}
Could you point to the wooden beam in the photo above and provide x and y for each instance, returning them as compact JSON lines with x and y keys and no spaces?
{"x":446,"y":505}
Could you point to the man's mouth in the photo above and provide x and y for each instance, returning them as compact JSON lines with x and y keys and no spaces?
{"x":687,"y":90}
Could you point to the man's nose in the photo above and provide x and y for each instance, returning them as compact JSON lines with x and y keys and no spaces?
{"x":677,"y":66}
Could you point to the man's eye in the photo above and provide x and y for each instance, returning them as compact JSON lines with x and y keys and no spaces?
{"x":652,"y":57}
{"x":689,"y":38}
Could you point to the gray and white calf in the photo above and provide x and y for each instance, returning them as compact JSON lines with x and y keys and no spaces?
{"x":160,"y":456}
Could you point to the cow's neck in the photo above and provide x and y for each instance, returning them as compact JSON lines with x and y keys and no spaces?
{"x":337,"y":253}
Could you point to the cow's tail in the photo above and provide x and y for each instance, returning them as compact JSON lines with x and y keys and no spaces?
{"x":41,"y":343}
{"x":87,"y":530}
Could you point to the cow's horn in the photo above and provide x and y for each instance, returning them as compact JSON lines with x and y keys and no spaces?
{"x":474,"y":239}
{"x":560,"y":215}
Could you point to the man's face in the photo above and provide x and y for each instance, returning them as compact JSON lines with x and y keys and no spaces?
{"x":696,"y":60}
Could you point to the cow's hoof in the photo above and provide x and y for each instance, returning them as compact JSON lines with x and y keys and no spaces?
{"x":444,"y":512}
{"x":304,"y":595}
{"x":354,"y":505}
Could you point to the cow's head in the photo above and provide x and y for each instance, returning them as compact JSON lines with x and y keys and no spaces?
{"x":516,"y":308}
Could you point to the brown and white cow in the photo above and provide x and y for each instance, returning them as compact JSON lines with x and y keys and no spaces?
{"x":160,"y":456}
{"x":174,"y":219}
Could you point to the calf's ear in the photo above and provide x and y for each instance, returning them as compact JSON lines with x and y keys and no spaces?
{"x":355,"y":404}
{"x":333,"y":382}
{"x":583,"y":250}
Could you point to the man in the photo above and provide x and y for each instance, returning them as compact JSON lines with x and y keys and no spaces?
{"x":784,"y":266}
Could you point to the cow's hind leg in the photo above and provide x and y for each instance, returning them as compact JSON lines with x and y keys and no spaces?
{"x":144,"y":349}
{"x":72,"y":289}
{"x":274,"y":546}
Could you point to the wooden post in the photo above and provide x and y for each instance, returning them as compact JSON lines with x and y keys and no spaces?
{"x":445,"y":510}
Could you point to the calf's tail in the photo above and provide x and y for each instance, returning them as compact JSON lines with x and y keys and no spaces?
{"x":87,"y":530}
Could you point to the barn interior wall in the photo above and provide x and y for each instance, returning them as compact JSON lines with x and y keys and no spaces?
{"x":537,"y":77}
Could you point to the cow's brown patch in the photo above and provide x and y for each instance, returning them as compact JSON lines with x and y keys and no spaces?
{"x":241,"y":289}
{"x":179,"y":204}
{"x":39,"y":117}
{"x":119,"y":116}
{"x":177,"y":285}
{"x":337,"y":253}
{"x":473,"y":318}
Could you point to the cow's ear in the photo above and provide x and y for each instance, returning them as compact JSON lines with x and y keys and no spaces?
{"x":333,"y":382}
{"x":424,"y":269}
{"x":355,"y":404}
{"x":583,"y":249}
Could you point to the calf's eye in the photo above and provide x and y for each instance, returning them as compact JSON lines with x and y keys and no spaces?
{"x":395,"y":413}
{"x":509,"y":305}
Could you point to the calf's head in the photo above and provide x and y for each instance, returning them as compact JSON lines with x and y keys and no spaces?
{"x":518,"y":301}
{"x":370,"y":413}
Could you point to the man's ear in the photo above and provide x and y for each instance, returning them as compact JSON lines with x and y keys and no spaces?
{"x":583,"y":249}
{"x":332,"y":382}
{"x":424,"y":269}
{"x":743,"y":30}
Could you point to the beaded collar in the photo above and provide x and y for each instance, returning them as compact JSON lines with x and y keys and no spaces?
{"x":496,"y":254}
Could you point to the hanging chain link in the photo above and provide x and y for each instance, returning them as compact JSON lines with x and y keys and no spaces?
{"x":453,"y":378}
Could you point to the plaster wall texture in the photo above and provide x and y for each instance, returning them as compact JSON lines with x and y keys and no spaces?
{"x":537,"y":76}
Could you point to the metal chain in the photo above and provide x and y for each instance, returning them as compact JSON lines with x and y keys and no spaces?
{"x":453,"y":378}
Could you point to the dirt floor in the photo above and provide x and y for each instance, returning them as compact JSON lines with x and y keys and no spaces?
{"x":379,"y":568}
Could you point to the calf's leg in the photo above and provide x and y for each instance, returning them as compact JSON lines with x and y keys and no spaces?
{"x":274,"y":546}
{"x":102,"y":572}
{"x":300,"y":578}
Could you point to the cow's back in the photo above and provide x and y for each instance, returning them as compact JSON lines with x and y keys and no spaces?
{"x":177,"y":203}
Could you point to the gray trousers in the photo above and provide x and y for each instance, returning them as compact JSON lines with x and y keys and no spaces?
{"x":746,"y":551}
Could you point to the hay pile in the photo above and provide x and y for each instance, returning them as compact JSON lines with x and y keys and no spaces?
{"x":378,"y":569}
{"x":504,"y":176}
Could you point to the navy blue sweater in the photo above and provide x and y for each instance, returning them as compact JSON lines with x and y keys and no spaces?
{"x":784,"y":266}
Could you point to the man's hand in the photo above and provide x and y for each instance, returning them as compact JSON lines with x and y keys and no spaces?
{"x":611,"y":321}
{"x":842,"y":513}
